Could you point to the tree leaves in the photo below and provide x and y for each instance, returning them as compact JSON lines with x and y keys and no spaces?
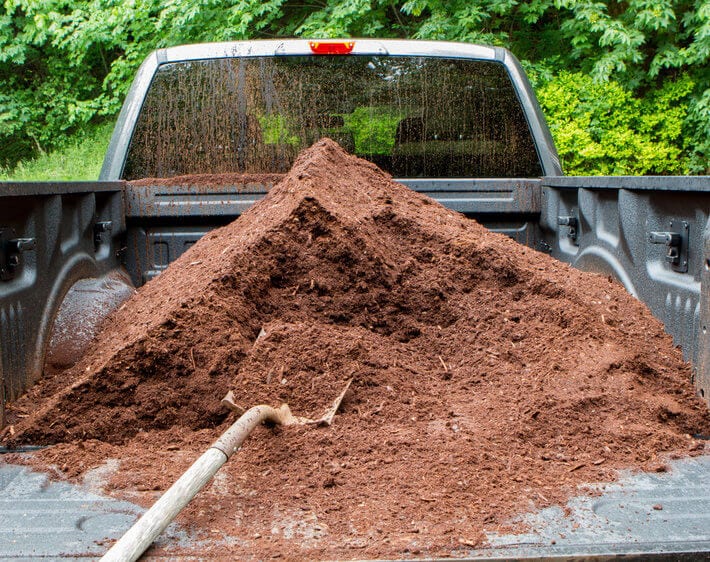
{"x":601,"y":128}
{"x":64,"y":63}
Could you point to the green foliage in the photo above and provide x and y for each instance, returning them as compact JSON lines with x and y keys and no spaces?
{"x":698,"y":137}
{"x":373,"y":129}
{"x":276,"y":130}
{"x":601,"y":128}
{"x":79,"y":159}
{"x":67,"y":63}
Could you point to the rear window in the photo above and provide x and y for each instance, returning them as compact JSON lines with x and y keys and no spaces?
{"x":415,"y":117}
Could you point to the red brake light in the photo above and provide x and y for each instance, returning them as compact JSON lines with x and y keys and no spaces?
{"x":331,"y":47}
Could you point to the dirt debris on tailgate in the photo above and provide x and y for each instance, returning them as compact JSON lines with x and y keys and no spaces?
{"x":489,"y":379}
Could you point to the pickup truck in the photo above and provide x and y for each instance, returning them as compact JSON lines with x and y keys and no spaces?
{"x":206,"y":130}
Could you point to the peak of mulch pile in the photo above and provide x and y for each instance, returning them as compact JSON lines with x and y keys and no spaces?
{"x":488,"y":378}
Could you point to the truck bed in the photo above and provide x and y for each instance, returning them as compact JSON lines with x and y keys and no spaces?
{"x":69,"y":247}
{"x":658,"y":516}
{"x":153,"y":225}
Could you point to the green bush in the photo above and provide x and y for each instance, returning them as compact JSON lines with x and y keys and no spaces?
{"x":80,"y":158}
{"x":373,"y":129}
{"x":66,"y":64}
{"x":602,"y":128}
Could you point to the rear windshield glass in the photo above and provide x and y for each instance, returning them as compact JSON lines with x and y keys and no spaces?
{"x":416,"y":117}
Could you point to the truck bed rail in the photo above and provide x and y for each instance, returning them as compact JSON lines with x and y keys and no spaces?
{"x":653,"y":235}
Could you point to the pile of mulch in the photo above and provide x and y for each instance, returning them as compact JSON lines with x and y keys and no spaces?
{"x":488,"y":379}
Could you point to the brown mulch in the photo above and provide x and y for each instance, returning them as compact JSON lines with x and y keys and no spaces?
{"x":211,"y":180}
{"x":488,"y":379}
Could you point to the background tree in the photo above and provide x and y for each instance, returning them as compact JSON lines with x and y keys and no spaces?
{"x":625,"y":85}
